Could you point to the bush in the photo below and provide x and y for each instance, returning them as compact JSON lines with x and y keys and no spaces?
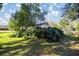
{"x":39,"y":32}
{"x":30,"y":37}
{"x":59,"y":32}
{"x":51,"y":34}
{"x":30,"y":31}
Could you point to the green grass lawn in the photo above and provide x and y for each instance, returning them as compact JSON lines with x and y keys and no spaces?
{"x":13,"y":46}
{"x":5,"y":37}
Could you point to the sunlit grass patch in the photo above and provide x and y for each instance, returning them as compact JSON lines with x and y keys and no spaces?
{"x":5,"y":37}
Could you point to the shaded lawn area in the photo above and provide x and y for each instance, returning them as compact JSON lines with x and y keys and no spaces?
{"x":13,"y":46}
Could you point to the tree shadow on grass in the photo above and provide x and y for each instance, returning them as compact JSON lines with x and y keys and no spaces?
{"x":36,"y":47}
{"x":0,"y":36}
{"x":63,"y":51}
{"x":52,"y":49}
{"x":6,"y":49}
{"x":73,"y":38}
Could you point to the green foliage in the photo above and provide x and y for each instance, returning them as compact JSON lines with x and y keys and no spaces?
{"x":12,"y":24}
{"x":0,"y":9}
{"x":51,"y":34}
{"x":30,"y":37}
{"x":24,"y":21}
{"x":1,"y":6}
{"x":29,"y":15}
{"x":54,"y":34}
{"x":60,"y":32}
{"x":63,"y":24}
{"x":30,"y":31}
{"x":77,"y":26}
{"x":71,"y":10}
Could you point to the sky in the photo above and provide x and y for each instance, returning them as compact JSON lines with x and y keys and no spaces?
{"x":54,"y":11}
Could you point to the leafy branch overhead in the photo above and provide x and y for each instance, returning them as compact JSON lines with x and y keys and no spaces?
{"x":71,"y":10}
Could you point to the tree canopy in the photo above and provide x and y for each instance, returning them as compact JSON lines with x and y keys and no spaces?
{"x":29,"y":15}
{"x":0,"y":6}
{"x":71,"y":10}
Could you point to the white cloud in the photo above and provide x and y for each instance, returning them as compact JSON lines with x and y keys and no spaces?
{"x":55,"y":13}
{"x":4,"y":22}
{"x":58,"y":6}
{"x":12,"y":11}
{"x":40,"y":7}
{"x":4,"y":4}
{"x":44,"y":5}
{"x":49,"y":14}
{"x":3,"y":9}
{"x":18,"y":5}
{"x":52,"y":14}
{"x":7,"y":16}
{"x":50,"y":8}
{"x":1,"y":19}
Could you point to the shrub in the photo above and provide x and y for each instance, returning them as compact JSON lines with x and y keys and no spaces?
{"x":39,"y":32}
{"x":30,"y":31}
{"x":59,"y":32}
{"x":30,"y":37}
{"x":51,"y":34}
